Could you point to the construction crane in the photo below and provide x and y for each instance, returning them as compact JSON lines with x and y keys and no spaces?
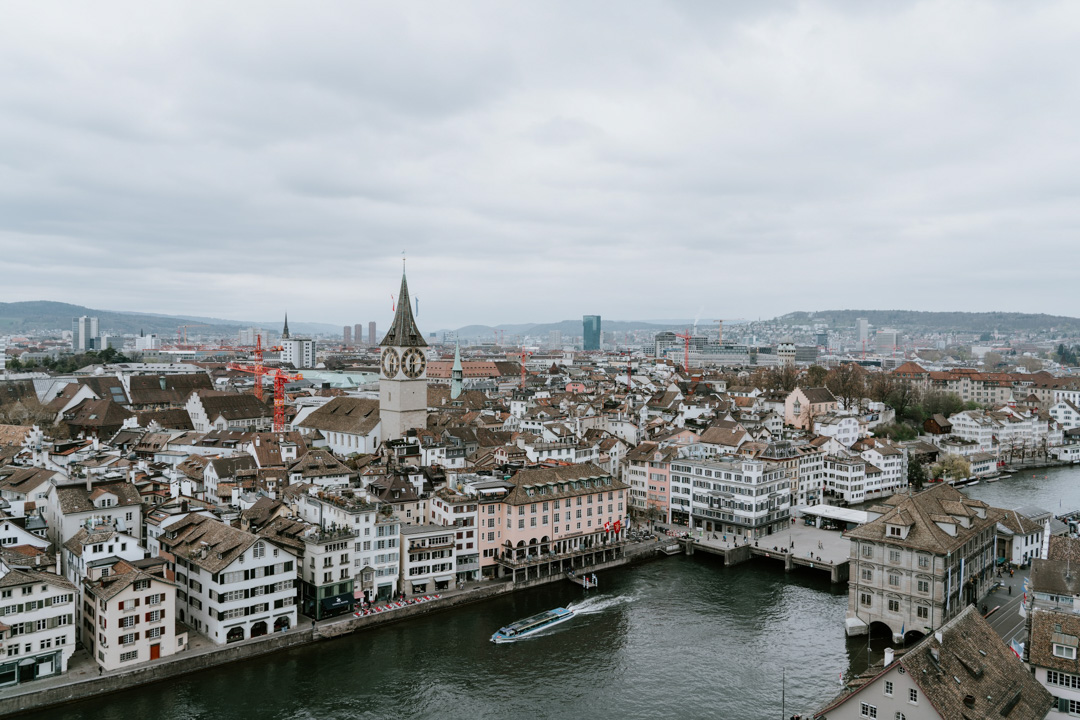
{"x":280,"y":378}
{"x":686,"y":357}
{"x":524,"y":356}
{"x":181,"y":332}
{"x":720,"y":328}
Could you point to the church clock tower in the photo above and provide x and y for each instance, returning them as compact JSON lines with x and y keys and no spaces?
{"x":403,"y":373}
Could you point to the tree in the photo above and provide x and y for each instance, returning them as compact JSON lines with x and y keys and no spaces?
{"x":993,"y":359}
{"x":953,"y":467}
{"x":846,"y":382}
{"x":896,"y":431}
{"x":815,"y":376}
{"x":879,"y":386}
{"x":782,"y":377}
{"x":941,"y":402}
{"x":916,"y":474}
{"x":904,"y":397}
{"x":1031,"y":364}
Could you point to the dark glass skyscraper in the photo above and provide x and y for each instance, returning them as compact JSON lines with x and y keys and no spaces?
{"x":591,"y":333}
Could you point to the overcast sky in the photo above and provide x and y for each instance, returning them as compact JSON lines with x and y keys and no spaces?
{"x":540,"y":160}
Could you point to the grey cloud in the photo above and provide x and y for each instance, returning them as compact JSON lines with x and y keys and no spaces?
{"x":539,"y":161}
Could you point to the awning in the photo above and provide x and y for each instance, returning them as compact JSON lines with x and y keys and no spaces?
{"x":444,"y":578}
{"x":337,"y":602}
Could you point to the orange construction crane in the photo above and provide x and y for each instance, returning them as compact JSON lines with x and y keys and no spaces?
{"x":720,"y":328}
{"x":686,"y":356}
{"x":280,"y":378}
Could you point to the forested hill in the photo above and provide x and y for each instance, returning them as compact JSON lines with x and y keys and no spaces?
{"x":44,"y":315}
{"x":939,"y":321}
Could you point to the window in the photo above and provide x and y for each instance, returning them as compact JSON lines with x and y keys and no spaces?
{"x":913,"y":696}
{"x":127,"y":639}
{"x":867,"y":711}
{"x":899,"y":716}
{"x":865,"y":599}
{"x":923,"y":612}
{"x":868,"y":551}
{"x":888,"y":687}
{"x":894,"y":606}
{"x":1064,"y":651}
{"x":1063,"y":679}
{"x":129,"y":656}
{"x":924,"y":586}
{"x":894,"y":556}
{"x":154,"y":633}
{"x":894,"y":580}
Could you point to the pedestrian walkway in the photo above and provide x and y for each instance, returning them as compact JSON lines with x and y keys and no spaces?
{"x":802,"y":541}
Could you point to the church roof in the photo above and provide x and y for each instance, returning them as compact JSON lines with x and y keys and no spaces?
{"x":403,"y":331}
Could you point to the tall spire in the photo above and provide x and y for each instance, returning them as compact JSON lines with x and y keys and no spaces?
{"x":456,"y":375}
{"x":403,"y":331}
{"x":285,"y":330}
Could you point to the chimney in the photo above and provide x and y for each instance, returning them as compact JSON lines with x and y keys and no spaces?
{"x":89,"y":482}
{"x":890,"y":654}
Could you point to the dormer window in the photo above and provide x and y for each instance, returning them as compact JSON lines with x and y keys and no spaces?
{"x":895,"y":531}
{"x":1064,"y":651}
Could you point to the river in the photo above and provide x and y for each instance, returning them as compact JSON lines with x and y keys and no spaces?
{"x":678,"y":637}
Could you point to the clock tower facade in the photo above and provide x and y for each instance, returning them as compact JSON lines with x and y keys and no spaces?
{"x":403,"y":373}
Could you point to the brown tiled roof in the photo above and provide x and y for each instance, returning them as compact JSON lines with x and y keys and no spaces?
{"x":167,"y":389}
{"x":1049,"y":628}
{"x":319,"y":463}
{"x":75,"y":498}
{"x":14,"y":390}
{"x":723,"y":436}
{"x":554,"y":478}
{"x":973,"y":661}
{"x":816,"y":396}
{"x":97,"y":414}
{"x":14,"y":578}
{"x":112,"y":585}
{"x":171,"y":419}
{"x":22,"y":480}
{"x":13,"y":435}
{"x":924,"y":509}
{"x":209,"y":544}
{"x":232,"y":406}
{"x":355,"y":416}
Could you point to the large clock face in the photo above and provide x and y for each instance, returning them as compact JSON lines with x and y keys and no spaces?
{"x":389,"y":362}
{"x":413,"y":363}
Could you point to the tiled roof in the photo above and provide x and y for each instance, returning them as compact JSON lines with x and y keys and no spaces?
{"x":209,"y":544}
{"x":1049,"y":628}
{"x":926,"y":509}
{"x":355,"y":416}
{"x":75,"y":498}
{"x":167,"y":389}
{"x":555,"y":478}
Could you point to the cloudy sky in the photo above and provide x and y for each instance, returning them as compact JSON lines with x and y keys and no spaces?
{"x":540,"y":160}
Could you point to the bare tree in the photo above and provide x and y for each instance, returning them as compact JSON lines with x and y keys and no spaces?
{"x":904,"y":395}
{"x":847,"y":383}
{"x":880,"y":385}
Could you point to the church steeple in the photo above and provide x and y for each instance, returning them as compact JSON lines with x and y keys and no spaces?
{"x":285,"y":330}
{"x":456,"y":375}
{"x":403,"y":331}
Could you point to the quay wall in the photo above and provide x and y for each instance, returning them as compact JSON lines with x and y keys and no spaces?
{"x":24,"y":698}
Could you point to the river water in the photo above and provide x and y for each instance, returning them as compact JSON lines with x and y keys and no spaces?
{"x":678,"y":637}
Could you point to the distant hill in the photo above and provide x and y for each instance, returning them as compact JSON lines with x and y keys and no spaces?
{"x":965,"y":322}
{"x":43,"y":316}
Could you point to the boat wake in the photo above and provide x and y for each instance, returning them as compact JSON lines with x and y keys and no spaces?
{"x":593,"y":605}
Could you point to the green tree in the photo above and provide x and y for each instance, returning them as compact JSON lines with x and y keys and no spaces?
{"x":916,"y":474}
{"x":941,"y":402}
{"x":952,"y":467}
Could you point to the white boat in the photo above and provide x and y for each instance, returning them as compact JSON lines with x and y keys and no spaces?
{"x":531,"y":625}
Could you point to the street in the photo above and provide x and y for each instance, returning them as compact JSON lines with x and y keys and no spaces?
{"x":1005,"y":608}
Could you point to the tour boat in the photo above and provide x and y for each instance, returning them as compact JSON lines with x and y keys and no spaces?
{"x":531,"y":625}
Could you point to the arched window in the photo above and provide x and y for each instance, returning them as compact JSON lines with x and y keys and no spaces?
{"x":899,"y":716}
{"x":259,"y":550}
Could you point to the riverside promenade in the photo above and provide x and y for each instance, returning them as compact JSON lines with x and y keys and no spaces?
{"x":799,"y":546}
